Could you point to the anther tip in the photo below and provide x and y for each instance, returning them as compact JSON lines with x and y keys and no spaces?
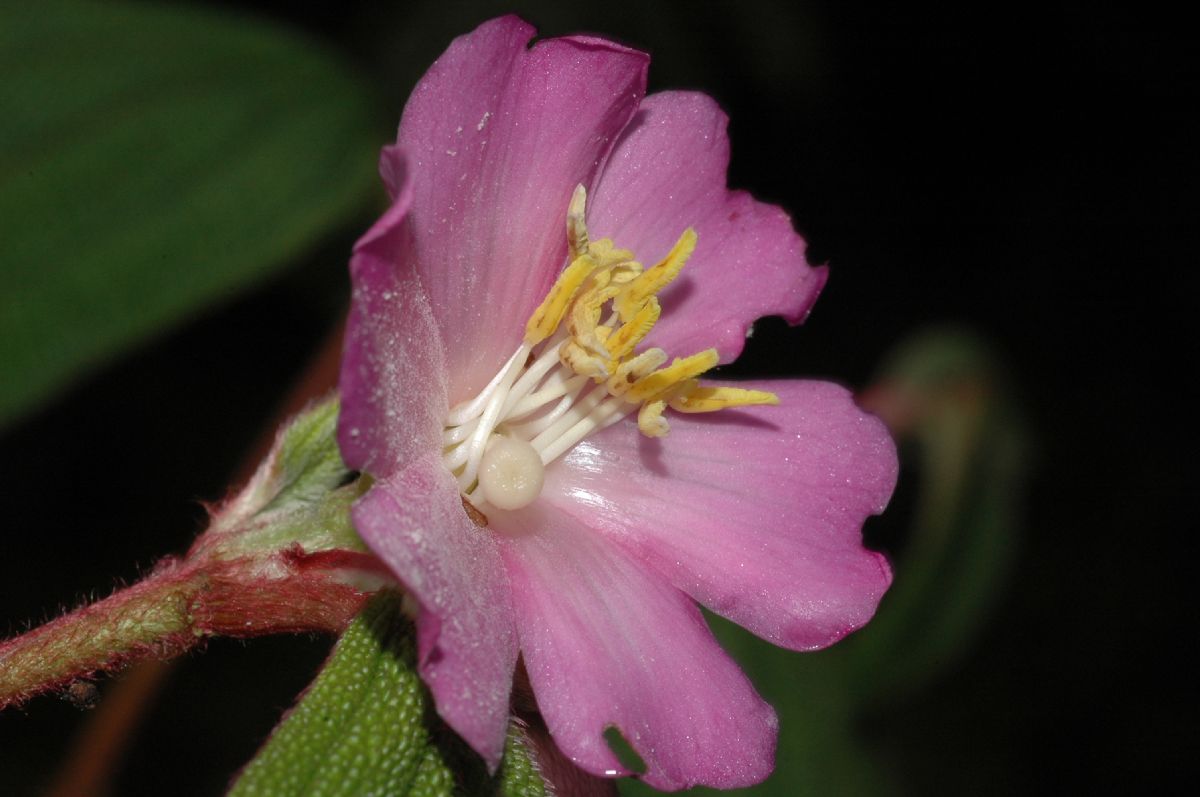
{"x":578,"y":201}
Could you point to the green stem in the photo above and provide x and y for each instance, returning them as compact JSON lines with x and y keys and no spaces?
{"x":150,"y":619}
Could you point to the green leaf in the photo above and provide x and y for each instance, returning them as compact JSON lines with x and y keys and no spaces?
{"x":623,"y":750}
{"x":366,"y":726}
{"x":154,"y":159}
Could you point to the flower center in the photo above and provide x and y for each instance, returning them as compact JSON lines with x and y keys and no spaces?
{"x":577,"y":372}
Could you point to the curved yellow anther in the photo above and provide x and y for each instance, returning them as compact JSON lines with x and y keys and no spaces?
{"x":626,"y":272}
{"x":585,"y":315}
{"x":682,"y":368}
{"x":628,"y":372}
{"x":651,"y":421}
{"x":653,"y":280}
{"x":628,"y":336}
{"x":711,"y":399}
{"x":550,"y":312}
{"x":584,"y":362}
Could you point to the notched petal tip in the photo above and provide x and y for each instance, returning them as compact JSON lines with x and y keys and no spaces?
{"x":749,"y":262}
{"x":608,"y":643}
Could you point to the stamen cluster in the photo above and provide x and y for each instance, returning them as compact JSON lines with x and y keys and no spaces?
{"x":573,"y":375}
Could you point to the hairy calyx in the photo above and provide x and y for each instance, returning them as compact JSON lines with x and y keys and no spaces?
{"x":578,"y":371}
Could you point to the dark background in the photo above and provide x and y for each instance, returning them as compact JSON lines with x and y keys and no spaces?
{"x":1020,"y":173}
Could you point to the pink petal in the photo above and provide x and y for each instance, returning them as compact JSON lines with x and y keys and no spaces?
{"x":667,"y":173}
{"x":608,"y":642}
{"x":414,"y":522}
{"x":498,"y":136}
{"x":393,"y":379}
{"x":755,"y":512}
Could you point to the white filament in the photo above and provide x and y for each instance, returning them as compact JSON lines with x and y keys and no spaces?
{"x":528,"y":415}
{"x":470,"y":409}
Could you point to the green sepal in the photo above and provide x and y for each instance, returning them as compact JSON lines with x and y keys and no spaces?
{"x":300,"y":495}
{"x":366,"y":726}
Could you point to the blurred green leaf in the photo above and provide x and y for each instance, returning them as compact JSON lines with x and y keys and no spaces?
{"x":366,"y":726}
{"x":951,"y":408}
{"x":154,"y":159}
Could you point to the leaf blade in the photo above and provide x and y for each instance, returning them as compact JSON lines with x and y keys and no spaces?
{"x":366,"y":726}
{"x":157,"y":160}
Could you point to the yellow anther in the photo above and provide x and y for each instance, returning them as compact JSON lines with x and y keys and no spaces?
{"x":682,"y":368}
{"x":624,"y":273}
{"x":651,"y":421}
{"x":606,"y":304}
{"x":606,"y":254}
{"x":577,"y":234}
{"x":585,"y":316}
{"x":711,"y":399}
{"x":584,"y":362}
{"x":630,"y":371}
{"x":622,"y":343}
{"x":653,"y":280}
{"x":550,"y":312}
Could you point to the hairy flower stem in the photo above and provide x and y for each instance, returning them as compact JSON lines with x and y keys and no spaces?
{"x":92,"y":758}
{"x":171,"y":611}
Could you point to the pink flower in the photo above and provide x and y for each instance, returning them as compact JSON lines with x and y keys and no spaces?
{"x":605,"y":526}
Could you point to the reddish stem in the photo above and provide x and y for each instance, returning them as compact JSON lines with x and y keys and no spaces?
{"x":170,"y":612}
{"x":88,"y":766}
